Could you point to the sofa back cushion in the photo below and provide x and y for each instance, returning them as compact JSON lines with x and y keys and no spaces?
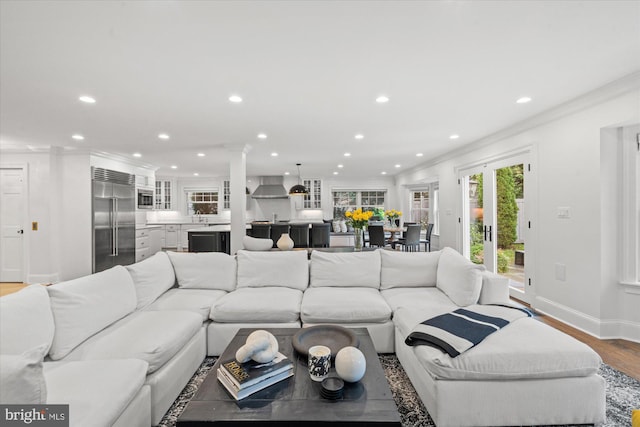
{"x":85,"y":306}
{"x":495,"y":289}
{"x":408,"y":269}
{"x":22,"y":378}
{"x":26,"y":320}
{"x":345,"y":269}
{"x":459,"y":278}
{"x":204,"y":270}
{"x":152,"y":277}
{"x":274,"y":268}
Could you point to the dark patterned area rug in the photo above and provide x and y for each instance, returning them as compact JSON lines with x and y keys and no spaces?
{"x":623,"y":395}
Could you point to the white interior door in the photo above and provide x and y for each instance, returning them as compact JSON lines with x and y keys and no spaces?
{"x":11,"y":225}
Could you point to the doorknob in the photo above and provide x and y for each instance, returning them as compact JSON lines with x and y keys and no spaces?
{"x":20,"y":231}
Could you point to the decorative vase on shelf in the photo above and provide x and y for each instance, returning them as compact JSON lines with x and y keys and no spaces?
{"x":358,"y":238}
{"x":285,"y":243}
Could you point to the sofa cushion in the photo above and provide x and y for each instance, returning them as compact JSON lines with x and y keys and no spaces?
{"x":257,"y":305}
{"x":26,"y":320}
{"x":525,"y":349}
{"x":350,"y":269}
{"x":344,"y":305}
{"x":22,"y":379}
{"x":425,"y":300}
{"x":97,"y":391}
{"x":408,"y":269}
{"x":274,"y":268}
{"x":152,"y":277}
{"x":459,"y":278}
{"x":195,"y":300}
{"x":83,"y":307}
{"x":204,"y":270}
{"x":495,"y":289}
{"x":152,"y":336}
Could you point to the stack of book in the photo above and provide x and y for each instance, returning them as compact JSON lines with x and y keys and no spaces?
{"x":244,"y":379}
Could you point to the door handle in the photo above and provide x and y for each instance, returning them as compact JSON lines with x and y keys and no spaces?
{"x":20,"y":232}
{"x":484,"y":230}
{"x":490,"y":233}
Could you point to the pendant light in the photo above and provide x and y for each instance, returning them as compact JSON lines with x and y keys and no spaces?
{"x":298,"y":189}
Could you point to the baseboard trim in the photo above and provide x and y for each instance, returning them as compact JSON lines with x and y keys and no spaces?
{"x":601,"y":329}
{"x":43,"y":279}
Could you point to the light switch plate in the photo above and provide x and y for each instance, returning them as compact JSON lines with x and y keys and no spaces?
{"x":563,"y":213}
{"x":561,"y":272}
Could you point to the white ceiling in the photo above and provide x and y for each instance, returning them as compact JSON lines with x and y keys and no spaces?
{"x":308,"y":71}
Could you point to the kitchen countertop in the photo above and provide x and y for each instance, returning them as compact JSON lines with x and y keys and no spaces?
{"x":213,"y":228}
{"x":147,"y":227}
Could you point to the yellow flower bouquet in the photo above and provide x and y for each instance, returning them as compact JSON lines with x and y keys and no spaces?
{"x":393,"y":214}
{"x":358,"y":219}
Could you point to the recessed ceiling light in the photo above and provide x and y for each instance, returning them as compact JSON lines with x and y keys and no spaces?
{"x":359,"y":136}
{"x":454,"y":136}
{"x":523,"y":100}
{"x":274,"y":154}
{"x":196,"y":174}
{"x":77,"y":137}
{"x":286,"y":173}
{"x":347,"y":154}
{"x":382,"y":99}
{"x":201,"y":154}
{"x":383,"y":173}
{"x":419,"y":155}
{"x":163,"y":136}
{"x":235,"y":98}
{"x":340,"y":166}
{"x":335,"y":173}
{"x":174,"y":167}
{"x":137,"y":155}
{"x":262,"y":135}
{"x":87,"y":99}
{"x":398,"y":166}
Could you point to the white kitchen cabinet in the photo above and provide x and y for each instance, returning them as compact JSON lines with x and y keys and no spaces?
{"x":184,"y":237}
{"x":164,"y":194}
{"x":142,"y":244}
{"x":156,"y":235}
{"x":171,"y":236}
{"x":313,"y":200}
{"x":342,"y":240}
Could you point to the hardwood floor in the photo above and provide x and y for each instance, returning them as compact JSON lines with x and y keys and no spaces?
{"x":9,"y":288}
{"x":620,"y":354}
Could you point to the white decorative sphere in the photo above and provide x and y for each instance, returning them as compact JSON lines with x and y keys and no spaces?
{"x":350,"y":364}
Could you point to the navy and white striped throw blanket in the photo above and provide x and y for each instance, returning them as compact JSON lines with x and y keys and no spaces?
{"x":462,"y":329}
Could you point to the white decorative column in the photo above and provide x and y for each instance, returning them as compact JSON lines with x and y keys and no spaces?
{"x":238,"y":198}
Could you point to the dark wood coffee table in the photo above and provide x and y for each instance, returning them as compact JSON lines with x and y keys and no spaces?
{"x":296,"y":400}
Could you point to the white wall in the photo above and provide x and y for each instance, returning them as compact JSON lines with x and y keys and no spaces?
{"x":568,"y":169}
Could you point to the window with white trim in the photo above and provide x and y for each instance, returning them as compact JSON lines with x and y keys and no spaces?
{"x":202,"y":202}
{"x":424,"y":205}
{"x":368,"y":200}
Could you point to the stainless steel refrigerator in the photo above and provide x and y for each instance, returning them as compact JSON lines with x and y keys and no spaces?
{"x":114,"y":218}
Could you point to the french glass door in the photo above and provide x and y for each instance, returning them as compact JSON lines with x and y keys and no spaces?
{"x":494,"y":220}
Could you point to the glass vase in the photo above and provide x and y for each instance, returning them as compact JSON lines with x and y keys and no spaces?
{"x":358,"y":238}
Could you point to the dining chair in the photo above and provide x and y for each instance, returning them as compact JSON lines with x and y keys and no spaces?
{"x":411,"y":241}
{"x":376,"y":236}
{"x":261,"y":231}
{"x":427,"y":239}
{"x":299,"y":233}
{"x":320,"y":235}
{"x":278,"y":230}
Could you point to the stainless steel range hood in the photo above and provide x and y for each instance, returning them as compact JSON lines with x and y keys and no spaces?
{"x":270,"y":188}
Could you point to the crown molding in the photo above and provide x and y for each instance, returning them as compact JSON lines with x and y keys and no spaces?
{"x":597,"y":96}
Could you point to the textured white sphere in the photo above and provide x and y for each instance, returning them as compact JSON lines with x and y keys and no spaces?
{"x":350,"y":364}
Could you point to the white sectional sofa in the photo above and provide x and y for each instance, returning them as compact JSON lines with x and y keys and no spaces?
{"x":126,"y":340}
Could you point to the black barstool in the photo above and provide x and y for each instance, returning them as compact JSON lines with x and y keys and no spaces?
{"x":320,"y":235}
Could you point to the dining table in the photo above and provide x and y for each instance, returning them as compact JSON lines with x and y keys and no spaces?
{"x":392,"y":230}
